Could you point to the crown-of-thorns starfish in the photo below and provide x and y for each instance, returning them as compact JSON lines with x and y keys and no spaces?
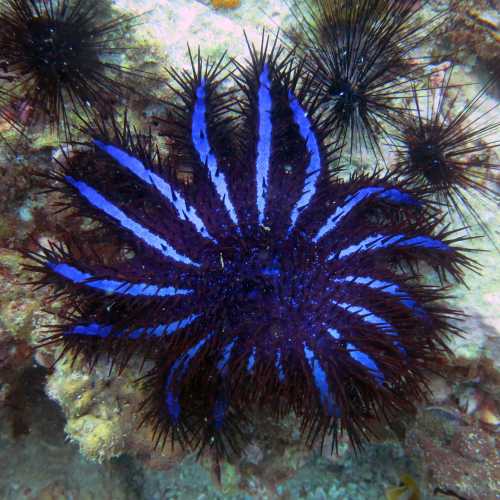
{"x":266,"y":282}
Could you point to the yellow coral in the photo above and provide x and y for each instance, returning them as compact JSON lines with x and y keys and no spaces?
{"x":408,"y":490}
{"x":98,"y":438}
{"x":225,"y":4}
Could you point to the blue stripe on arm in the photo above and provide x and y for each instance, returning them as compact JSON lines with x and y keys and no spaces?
{"x":372,"y":242}
{"x":360,"y":357}
{"x":164,"y":329}
{"x":100,"y":202}
{"x":342,"y":211}
{"x":251,"y":360}
{"x":180,"y":365}
{"x":367,"y":361}
{"x":382,"y":241}
{"x":199,"y":135}
{"x":425,"y":242}
{"x":392,"y":194}
{"x":399,"y":197}
{"x":75,"y":275}
{"x":91,"y":330}
{"x":222,"y":363}
{"x":103,"y":331}
{"x":222,"y":403}
{"x":313,"y":169}
{"x":334,"y":333}
{"x":368,"y":317}
{"x":385,"y":287}
{"x":320,"y":380}
{"x":220,"y":408}
{"x":137,"y":168}
{"x":279,"y":366}
{"x":264,"y":141}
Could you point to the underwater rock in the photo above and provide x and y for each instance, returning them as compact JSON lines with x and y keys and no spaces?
{"x":168,"y":26}
{"x":42,"y":464}
{"x":21,"y":312}
{"x":472,"y":31}
{"x":458,"y":456}
{"x":101,"y":414}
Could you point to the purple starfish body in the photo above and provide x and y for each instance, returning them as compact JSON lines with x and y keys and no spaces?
{"x":265,"y":282}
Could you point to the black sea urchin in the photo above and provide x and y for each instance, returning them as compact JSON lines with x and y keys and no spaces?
{"x":266,"y":282}
{"x":359,"y":56}
{"x":61,"y":54}
{"x":449,"y":152}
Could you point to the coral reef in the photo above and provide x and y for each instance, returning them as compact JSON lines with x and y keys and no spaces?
{"x":453,"y":433}
{"x":42,"y":465}
{"x":102,"y":414}
{"x":471,"y":32}
{"x":460,"y":457}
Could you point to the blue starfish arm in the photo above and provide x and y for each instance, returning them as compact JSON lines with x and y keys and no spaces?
{"x":384,"y":286}
{"x":320,"y":381}
{"x":201,"y":142}
{"x":353,"y":201}
{"x":368,"y":317}
{"x":171,"y":195}
{"x":314,"y":167}
{"x":378,"y":241}
{"x":252,"y":357}
{"x":175,"y":375}
{"x":113,"y":286}
{"x":201,"y":133}
{"x":367,"y":361}
{"x":100,"y":202}
{"x":279,"y":365}
{"x":360,"y":357}
{"x":101,"y":330}
{"x":264,"y":134}
{"x":222,"y":402}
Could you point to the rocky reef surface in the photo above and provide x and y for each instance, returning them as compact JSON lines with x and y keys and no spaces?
{"x":472,"y":28}
{"x":66,"y":432}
